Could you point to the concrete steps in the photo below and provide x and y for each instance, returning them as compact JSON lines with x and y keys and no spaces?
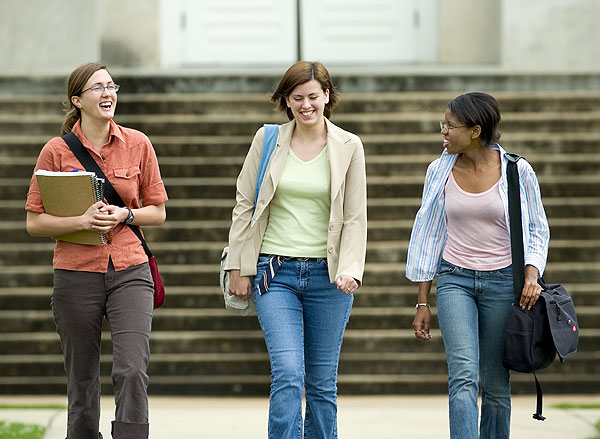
{"x":380,"y":165}
{"x":398,"y":143}
{"x":251,"y":103}
{"x":201,"y":140}
{"x":377,"y":208}
{"x":257,"y":364}
{"x":349,"y":80}
{"x":580,"y":250}
{"x":206,"y":319}
{"x":368,"y":123}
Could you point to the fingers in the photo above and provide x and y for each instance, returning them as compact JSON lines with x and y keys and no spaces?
{"x":240,"y":286}
{"x":421,"y":324}
{"x":530,"y":294}
{"x":423,"y":335}
{"x":103,"y":223}
{"x":347,"y":284}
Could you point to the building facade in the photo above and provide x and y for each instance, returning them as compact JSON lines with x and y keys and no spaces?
{"x":56,"y":35}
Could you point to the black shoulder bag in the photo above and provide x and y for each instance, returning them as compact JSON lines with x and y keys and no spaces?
{"x":114,"y":198}
{"x":534,"y":337}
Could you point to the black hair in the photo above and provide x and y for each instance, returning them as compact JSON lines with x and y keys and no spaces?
{"x":481,"y":109}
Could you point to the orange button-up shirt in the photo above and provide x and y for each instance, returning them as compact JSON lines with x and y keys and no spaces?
{"x":128,"y":160}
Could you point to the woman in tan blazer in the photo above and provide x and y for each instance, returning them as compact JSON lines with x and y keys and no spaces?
{"x":305,"y":246}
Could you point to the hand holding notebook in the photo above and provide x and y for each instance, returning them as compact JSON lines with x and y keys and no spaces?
{"x":71,"y":194}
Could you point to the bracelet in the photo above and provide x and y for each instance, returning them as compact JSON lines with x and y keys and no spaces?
{"x":422,"y":304}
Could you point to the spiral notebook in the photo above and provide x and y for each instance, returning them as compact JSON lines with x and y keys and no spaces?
{"x":70,"y":194}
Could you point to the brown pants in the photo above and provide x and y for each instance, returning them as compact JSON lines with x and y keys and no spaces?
{"x":80,"y":302}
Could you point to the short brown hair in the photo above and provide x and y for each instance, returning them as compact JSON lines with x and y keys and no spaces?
{"x":77,"y":80}
{"x":301,"y":73}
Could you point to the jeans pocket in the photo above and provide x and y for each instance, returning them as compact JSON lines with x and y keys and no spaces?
{"x":261,"y":265}
{"x":263,"y":261}
{"x":505,"y":273}
{"x":446,"y":268}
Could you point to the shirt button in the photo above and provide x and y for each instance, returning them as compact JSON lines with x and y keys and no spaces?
{"x":108,"y":241}
{"x":127,"y":175}
{"x":330,"y":249}
{"x":331,"y":228}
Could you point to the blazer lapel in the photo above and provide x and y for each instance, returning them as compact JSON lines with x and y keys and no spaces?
{"x":339,"y":155}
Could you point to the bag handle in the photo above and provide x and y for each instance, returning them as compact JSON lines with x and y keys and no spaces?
{"x":110,"y":193}
{"x":516,"y":226}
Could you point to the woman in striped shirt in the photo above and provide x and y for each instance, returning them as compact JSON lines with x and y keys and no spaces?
{"x":461,"y":236}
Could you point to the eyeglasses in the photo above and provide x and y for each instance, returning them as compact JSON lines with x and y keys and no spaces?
{"x":100,"y":88}
{"x":445,"y":127}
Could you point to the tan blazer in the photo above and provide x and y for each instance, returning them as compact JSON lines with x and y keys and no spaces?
{"x":347,"y":235}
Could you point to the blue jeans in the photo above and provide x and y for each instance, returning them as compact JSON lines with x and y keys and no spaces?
{"x":473,"y":308}
{"x":303,"y":317}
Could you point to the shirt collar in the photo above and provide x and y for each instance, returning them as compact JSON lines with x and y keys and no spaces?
{"x":115,"y":130}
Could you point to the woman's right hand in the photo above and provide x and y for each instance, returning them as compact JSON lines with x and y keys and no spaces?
{"x":239,"y":286}
{"x":43,"y":224}
{"x":89,"y":221}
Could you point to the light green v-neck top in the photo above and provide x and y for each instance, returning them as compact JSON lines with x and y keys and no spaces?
{"x":299,"y":210}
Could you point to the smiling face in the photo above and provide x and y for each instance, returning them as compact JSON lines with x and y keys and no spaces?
{"x":99,"y":106}
{"x":459,"y":138}
{"x":307,"y":102}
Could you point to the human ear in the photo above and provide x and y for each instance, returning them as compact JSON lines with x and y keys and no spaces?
{"x":476,"y":132}
{"x":75,"y":101}
{"x":327,"y":96}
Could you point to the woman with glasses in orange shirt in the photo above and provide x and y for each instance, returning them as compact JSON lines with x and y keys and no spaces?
{"x":112,"y":280}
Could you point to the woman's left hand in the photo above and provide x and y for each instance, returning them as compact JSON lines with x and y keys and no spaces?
{"x":108,"y":218}
{"x":531,"y":289}
{"x":346,"y":283}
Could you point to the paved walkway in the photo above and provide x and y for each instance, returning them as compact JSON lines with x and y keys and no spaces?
{"x":360,"y":417}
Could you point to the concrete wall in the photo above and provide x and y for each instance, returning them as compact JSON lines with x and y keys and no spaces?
{"x":551,"y":34}
{"x":48,"y":35}
{"x":130,"y":33}
{"x":469,"y":32}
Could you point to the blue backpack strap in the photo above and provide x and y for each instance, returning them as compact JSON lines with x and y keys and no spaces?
{"x":269,"y":142}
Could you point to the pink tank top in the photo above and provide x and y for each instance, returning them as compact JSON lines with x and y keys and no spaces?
{"x":478,"y":237}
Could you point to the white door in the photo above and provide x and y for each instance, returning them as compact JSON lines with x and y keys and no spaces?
{"x":369,"y":31}
{"x":228,"y":32}
{"x":264,"y":32}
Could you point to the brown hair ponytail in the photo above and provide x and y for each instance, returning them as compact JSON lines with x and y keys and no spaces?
{"x":77,"y":80}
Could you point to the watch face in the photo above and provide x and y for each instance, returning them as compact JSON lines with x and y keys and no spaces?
{"x":129,"y":219}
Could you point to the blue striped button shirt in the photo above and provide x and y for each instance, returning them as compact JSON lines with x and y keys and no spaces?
{"x":428,"y":236}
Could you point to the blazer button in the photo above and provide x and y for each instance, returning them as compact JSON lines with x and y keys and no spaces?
{"x":330,"y":249}
{"x":331,"y":228}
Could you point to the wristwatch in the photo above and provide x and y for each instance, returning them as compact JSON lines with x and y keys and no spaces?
{"x":130,"y":217}
{"x":422,"y":304}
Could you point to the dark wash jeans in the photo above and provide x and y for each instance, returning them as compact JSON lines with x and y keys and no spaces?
{"x":80,"y":302}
